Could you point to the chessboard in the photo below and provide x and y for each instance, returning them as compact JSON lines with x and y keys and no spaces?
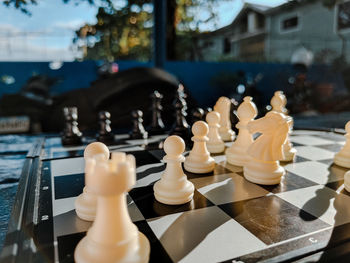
{"x":305,"y":218}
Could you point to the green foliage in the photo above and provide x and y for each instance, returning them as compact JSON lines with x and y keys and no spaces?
{"x":125,"y":32}
{"x":20,"y":4}
{"x":118,"y":34}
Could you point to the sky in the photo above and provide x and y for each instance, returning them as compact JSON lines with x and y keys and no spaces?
{"x":47,"y":34}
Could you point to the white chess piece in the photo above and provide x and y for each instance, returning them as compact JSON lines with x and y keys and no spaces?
{"x":173,"y":188}
{"x":278,"y":103}
{"x":85,"y":204}
{"x":347,"y":181}
{"x":215,"y":143}
{"x":113,"y":237}
{"x":199,"y":160}
{"x":266,"y":150}
{"x":223,"y":107}
{"x":342,"y":158}
{"x":237,"y":153}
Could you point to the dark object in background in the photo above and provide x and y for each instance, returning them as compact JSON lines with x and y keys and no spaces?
{"x":35,"y":102}
{"x":157,"y":125}
{"x":71,"y":133}
{"x":105,"y":133}
{"x":233,"y":117}
{"x":197,"y":114}
{"x":181,"y":127}
{"x":120,"y":94}
{"x":138,"y":131}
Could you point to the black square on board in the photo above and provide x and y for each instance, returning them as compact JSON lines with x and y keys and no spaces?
{"x":150,"y":207}
{"x":331,"y":147}
{"x":69,"y":185}
{"x":66,"y":246}
{"x":289,"y":182}
{"x":271,"y":219}
{"x":68,"y":243}
{"x":143,"y":157}
{"x":219,"y":169}
{"x":149,"y":171}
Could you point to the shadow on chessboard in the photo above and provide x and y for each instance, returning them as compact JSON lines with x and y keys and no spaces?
{"x":320,"y":203}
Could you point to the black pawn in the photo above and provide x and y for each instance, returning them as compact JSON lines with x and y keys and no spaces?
{"x":233,"y":117}
{"x":181,"y":127}
{"x":105,"y":133}
{"x":71,"y":133}
{"x":206,"y":111}
{"x":157,"y":125}
{"x":197,"y":114}
{"x":138,"y":131}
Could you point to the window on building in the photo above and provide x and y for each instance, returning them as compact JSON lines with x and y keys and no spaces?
{"x":290,"y":23}
{"x":343,"y":16}
{"x":208,"y":44}
{"x":227,"y":45}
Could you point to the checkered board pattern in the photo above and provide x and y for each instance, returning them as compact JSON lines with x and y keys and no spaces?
{"x":229,"y":218}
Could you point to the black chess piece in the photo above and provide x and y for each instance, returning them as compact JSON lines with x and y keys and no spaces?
{"x":197,"y":114}
{"x":233,"y":117}
{"x":206,"y":111}
{"x":105,"y":133}
{"x":181,"y":127}
{"x":71,"y":133}
{"x":157,"y":125}
{"x":182,"y":95}
{"x":138,"y":131}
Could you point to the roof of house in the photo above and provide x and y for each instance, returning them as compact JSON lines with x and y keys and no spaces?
{"x":247,"y":6}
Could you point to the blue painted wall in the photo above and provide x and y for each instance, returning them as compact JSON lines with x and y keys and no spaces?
{"x":197,"y":76}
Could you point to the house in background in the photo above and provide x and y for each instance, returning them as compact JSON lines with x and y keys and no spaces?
{"x":261,"y":33}
{"x":243,"y":38}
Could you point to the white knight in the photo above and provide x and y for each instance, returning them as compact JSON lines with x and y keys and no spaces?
{"x":266,"y":150}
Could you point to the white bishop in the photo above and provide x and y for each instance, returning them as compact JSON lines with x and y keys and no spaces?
{"x":237,"y":153}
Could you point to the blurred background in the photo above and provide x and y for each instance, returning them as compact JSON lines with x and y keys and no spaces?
{"x":80,"y":52}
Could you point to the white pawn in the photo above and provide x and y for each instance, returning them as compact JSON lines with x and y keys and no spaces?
{"x":223,"y":107}
{"x":199,"y":160}
{"x":173,"y":188}
{"x":85,"y":204}
{"x":215,"y":143}
{"x":113,"y":237}
{"x":278,"y":103}
{"x":266,"y":151}
{"x":237,"y":153}
{"x":342,"y":158}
